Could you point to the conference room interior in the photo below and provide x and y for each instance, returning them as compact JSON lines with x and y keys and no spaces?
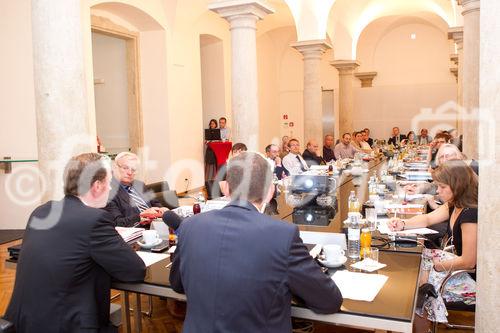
{"x":148,"y":76}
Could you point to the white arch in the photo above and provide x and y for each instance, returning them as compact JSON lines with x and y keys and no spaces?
{"x":145,"y":15}
{"x":347,"y":21}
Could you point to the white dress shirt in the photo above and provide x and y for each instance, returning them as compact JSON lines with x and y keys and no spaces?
{"x":294,"y":163}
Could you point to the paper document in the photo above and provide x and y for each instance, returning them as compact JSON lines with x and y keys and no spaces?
{"x":359,"y":286}
{"x":316,"y":250}
{"x":151,"y":258}
{"x":129,"y":233}
{"x":383,"y":228}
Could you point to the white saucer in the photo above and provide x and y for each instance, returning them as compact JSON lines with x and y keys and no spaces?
{"x":149,"y":246}
{"x":335,"y":264}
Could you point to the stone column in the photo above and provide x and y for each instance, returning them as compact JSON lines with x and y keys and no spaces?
{"x":312,"y":52}
{"x":457,"y":34}
{"x":60,"y":89}
{"x":346,"y":69}
{"x":242,"y":16}
{"x":488,"y":261}
{"x":470,"y":81}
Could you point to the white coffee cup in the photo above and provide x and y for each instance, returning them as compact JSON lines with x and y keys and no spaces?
{"x":150,"y":236}
{"x":333,"y":252}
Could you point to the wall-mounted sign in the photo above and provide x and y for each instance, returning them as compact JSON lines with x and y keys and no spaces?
{"x":290,"y":124}
{"x":285,"y":116}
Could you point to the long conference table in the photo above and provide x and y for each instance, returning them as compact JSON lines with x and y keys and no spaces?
{"x":392,"y":309}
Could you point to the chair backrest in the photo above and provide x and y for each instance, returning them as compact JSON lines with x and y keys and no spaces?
{"x":6,"y":326}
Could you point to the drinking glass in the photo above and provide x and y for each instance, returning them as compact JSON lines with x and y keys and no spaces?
{"x":371,"y":218}
{"x":370,"y":256}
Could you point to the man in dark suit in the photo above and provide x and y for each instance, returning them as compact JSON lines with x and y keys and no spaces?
{"x":128,"y":200}
{"x":239,"y":268}
{"x":69,"y":255}
{"x":396,"y":137}
{"x":311,"y":154}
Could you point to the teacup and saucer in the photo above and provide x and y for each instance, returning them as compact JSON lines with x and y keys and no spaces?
{"x":334,"y":256}
{"x":150,"y":238}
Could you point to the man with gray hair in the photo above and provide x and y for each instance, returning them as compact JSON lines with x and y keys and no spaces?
{"x":239,"y":268}
{"x":70,"y":253}
{"x":128,"y":201}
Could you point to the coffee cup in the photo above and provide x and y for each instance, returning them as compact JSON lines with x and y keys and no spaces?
{"x":150,"y":236}
{"x":333,"y":252}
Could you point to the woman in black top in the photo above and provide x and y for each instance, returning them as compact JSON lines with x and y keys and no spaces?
{"x":457,"y":187}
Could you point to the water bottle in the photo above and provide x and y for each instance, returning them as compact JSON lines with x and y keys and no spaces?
{"x":353,"y":235}
{"x":354,"y":206}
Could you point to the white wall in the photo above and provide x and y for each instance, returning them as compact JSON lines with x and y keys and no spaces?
{"x":111,"y":106}
{"x":412,"y":74}
{"x":18,"y":138}
{"x":212,"y":78}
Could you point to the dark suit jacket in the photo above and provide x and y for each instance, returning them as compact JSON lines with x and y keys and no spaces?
{"x":370,"y":142}
{"x":122,"y":207}
{"x":312,"y":159}
{"x":64,"y":272}
{"x":328,"y":154}
{"x":392,"y":140}
{"x":239,"y":269}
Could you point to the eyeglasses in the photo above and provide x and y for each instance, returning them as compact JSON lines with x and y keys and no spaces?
{"x":126,"y":168}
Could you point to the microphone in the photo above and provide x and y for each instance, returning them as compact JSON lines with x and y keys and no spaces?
{"x":171,"y":219}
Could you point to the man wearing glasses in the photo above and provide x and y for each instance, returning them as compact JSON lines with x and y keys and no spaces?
{"x":128,"y":201}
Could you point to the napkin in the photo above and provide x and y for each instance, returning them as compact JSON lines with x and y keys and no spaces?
{"x":368,"y":265}
{"x":359,"y":286}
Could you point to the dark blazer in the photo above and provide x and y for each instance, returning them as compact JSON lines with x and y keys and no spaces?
{"x":239,"y":269}
{"x":328,"y":154}
{"x":312,"y":159}
{"x":392,"y":140}
{"x":67,"y":261}
{"x":121,"y":206}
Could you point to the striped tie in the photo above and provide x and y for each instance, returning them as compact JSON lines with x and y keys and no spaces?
{"x":140,"y":203}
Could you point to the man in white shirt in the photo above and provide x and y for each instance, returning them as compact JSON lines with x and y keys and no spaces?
{"x":225,"y":132}
{"x":294,"y":162}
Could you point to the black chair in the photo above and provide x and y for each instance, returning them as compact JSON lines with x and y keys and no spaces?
{"x":162,"y":193}
{"x":6,"y":326}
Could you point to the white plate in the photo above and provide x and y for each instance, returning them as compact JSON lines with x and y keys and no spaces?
{"x":149,"y":246}
{"x":333,"y":264}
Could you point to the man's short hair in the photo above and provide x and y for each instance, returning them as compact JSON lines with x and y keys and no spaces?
{"x":239,"y":146}
{"x":346,"y":133}
{"x":289,"y":141}
{"x":125,"y":154}
{"x":223,"y":118}
{"x":268,"y":147}
{"x":249,"y":176}
{"x":83,"y":170}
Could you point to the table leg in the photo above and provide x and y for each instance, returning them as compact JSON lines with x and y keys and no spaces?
{"x":126,"y":308}
{"x":138,"y":314}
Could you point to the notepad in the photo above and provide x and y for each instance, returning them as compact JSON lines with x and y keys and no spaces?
{"x":359,"y":286}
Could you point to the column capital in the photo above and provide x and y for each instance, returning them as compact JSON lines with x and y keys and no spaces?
{"x":457,"y":34}
{"x":230,"y":9}
{"x":311,"y":48}
{"x":469,"y":6}
{"x":454,"y":58}
{"x":366,"y":78}
{"x":454,"y":71}
{"x":345,"y":67}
